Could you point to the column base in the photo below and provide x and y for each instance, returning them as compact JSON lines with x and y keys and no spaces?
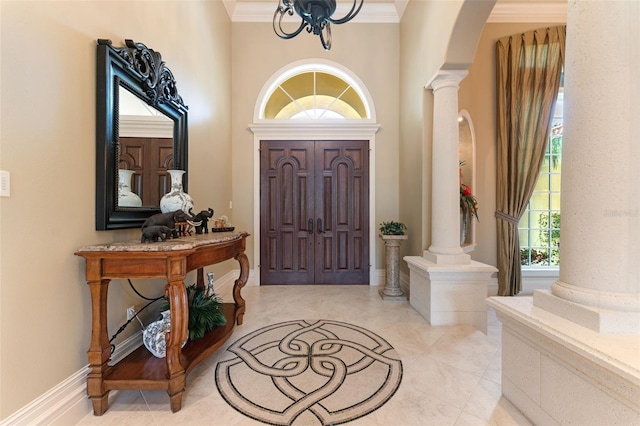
{"x":596,"y":319}
{"x":557,"y":372}
{"x":447,"y":259}
{"x":392,"y":297}
{"x":449,"y":294}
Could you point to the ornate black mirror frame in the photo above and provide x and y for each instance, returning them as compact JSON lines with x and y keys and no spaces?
{"x":142,"y":72}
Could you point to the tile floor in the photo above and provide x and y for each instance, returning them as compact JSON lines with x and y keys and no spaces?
{"x":451,"y":374}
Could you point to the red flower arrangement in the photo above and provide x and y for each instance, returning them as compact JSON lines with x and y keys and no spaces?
{"x":468,"y":202}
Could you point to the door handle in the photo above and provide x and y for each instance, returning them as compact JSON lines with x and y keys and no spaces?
{"x":310,"y":226}
{"x":320,"y":231}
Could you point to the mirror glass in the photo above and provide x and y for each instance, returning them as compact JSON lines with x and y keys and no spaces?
{"x":141,"y":132}
{"x":145,"y":137}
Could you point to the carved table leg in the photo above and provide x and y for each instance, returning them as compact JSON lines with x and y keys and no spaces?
{"x":99,"y":350}
{"x":241,"y":257}
{"x":176,"y":292}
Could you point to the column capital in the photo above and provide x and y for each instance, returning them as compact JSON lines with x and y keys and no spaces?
{"x":447,"y":78}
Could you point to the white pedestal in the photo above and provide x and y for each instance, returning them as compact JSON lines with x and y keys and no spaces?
{"x":449,"y":294}
{"x":557,"y":372}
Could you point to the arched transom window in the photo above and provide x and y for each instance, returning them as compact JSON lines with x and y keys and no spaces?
{"x":315,"y":94}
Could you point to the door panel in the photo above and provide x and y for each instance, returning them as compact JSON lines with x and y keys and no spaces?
{"x":286,"y":197}
{"x":314,"y":212}
{"x":343,"y":208}
{"x":149,"y":158}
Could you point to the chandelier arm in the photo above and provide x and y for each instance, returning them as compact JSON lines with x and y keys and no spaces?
{"x":279,"y":31}
{"x":326,"y":43}
{"x":349,"y":16}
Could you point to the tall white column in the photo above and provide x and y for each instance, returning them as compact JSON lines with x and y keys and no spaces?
{"x":445,"y":200}
{"x":446,"y":286}
{"x":600,"y":234}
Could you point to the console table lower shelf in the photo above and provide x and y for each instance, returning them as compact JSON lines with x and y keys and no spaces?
{"x":171,"y":260}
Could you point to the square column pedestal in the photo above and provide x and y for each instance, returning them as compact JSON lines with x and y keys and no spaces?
{"x":449,"y":294}
{"x":557,"y":372}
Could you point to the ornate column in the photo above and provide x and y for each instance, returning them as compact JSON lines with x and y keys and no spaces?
{"x":445,"y":201}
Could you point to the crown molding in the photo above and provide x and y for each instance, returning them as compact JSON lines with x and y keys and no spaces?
{"x":132,"y":126}
{"x":391,"y":12}
{"x":373,"y":13}
{"x":508,"y":11}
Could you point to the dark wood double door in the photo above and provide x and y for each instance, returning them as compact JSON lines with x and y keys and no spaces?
{"x":149,"y":158}
{"x":314,"y":212}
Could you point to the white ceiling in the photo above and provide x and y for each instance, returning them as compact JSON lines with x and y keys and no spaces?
{"x":390,"y":11}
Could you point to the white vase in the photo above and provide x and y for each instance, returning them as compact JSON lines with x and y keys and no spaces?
{"x":154,"y":336}
{"x":126,"y":198}
{"x":463,"y":228}
{"x":176,"y":198}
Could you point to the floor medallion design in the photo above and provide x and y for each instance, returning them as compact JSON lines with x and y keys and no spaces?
{"x":309,"y":372}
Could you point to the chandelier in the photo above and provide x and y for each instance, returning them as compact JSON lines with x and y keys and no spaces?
{"x":316,"y":17}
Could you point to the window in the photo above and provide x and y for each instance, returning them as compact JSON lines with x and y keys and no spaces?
{"x":539,"y":227}
{"x":315,"y":95}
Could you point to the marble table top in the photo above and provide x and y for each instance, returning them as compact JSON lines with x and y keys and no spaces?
{"x":182,"y":243}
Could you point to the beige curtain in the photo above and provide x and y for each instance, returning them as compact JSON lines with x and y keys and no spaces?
{"x":529,"y":68}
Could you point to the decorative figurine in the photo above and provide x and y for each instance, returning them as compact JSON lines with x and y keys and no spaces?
{"x":202,"y":217}
{"x":169,"y":220}
{"x":155,"y":233}
{"x":222,"y":224}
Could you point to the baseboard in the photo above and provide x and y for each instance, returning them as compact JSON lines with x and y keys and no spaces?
{"x":530,"y":283}
{"x":223,"y":286}
{"x":404,"y":284}
{"x":376,"y":277}
{"x":67,"y":403}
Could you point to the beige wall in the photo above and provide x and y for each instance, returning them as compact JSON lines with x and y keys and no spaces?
{"x":423,"y":49}
{"x":47,"y":142}
{"x":373,"y":56}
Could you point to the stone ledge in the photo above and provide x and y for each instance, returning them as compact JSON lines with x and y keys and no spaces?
{"x":604,"y":364}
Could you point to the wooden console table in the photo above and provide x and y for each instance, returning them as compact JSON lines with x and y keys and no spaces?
{"x":171,"y":260}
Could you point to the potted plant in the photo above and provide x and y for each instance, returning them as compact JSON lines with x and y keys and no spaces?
{"x":392,"y":228}
{"x":205,"y":311}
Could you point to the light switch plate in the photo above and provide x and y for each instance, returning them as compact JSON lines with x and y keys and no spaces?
{"x":5,"y":184}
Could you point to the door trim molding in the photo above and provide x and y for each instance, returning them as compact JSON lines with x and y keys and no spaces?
{"x":325,"y":130}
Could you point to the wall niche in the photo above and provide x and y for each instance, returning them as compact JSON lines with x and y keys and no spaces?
{"x":467,"y":157}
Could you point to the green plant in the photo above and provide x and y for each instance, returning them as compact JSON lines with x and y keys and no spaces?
{"x":392,"y":228}
{"x":548,"y":253}
{"x":205,"y":311}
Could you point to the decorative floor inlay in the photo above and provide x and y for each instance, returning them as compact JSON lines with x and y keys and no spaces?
{"x":309,"y":372}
